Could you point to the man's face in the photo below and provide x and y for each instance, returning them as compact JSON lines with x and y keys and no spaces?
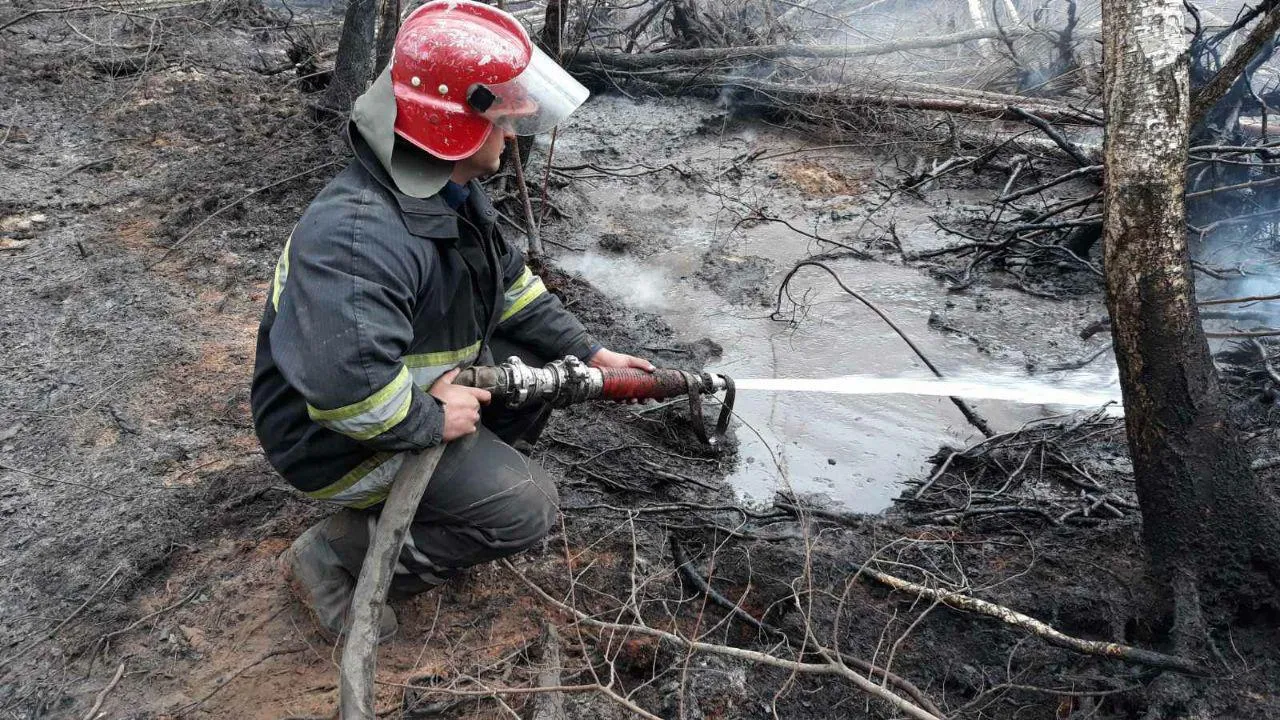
{"x":488,"y":158}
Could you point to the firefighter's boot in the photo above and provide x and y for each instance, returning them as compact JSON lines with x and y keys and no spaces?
{"x":322,"y":566}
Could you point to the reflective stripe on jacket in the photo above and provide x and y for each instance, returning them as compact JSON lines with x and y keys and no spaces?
{"x":375,"y":296}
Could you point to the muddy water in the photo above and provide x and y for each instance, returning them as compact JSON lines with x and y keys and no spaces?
{"x":680,"y":257}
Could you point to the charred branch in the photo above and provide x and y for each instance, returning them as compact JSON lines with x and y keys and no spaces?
{"x":388,"y":26}
{"x":968,"y":603}
{"x":969,"y":413}
{"x":1259,"y":37}
{"x":1068,"y":147}
{"x":716,"y":55}
{"x":797,"y":97}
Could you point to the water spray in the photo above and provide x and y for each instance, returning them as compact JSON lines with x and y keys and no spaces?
{"x":570,"y":381}
{"x":1018,"y":390}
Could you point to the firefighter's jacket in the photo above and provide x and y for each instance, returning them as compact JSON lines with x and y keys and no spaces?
{"x":376,"y":295}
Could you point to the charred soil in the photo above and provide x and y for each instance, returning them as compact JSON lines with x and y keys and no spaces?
{"x":151,"y":176}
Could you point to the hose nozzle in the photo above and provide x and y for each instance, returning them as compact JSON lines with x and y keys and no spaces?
{"x":570,"y":381}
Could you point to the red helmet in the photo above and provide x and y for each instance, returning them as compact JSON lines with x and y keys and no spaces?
{"x":460,"y":67}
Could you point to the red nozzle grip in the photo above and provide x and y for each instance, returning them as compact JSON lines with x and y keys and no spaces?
{"x":632,"y":384}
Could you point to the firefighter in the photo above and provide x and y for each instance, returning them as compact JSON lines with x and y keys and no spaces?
{"x":395,"y":276}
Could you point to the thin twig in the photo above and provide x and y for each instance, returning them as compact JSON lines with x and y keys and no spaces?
{"x":228,"y":680}
{"x":48,"y":635}
{"x":102,"y":695}
{"x":862,"y":683}
{"x":72,"y":483}
{"x":148,"y":616}
{"x":969,"y":414}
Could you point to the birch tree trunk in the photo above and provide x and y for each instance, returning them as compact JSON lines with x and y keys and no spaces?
{"x":978,"y":16}
{"x":1210,"y":528}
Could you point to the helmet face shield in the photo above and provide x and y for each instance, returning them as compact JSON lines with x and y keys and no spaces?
{"x":533,"y":102}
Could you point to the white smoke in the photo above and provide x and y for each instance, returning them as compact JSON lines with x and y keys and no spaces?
{"x":622,"y":277}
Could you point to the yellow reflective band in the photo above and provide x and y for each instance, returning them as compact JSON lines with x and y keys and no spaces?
{"x":373,"y":500}
{"x":526,"y":277}
{"x":441,"y":357}
{"x":372,"y":416}
{"x":535,"y":290}
{"x":366,"y":485}
{"x":384,"y":425}
{"x":371,"y":403}
{"x":351,"y":478}
{"x":282,"y":275}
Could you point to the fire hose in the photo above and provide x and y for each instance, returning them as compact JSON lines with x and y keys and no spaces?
{"x":513,"y":384}
{"x":570,"y":381}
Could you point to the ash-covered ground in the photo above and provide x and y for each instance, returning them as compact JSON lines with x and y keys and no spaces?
{"x":149,"y":184}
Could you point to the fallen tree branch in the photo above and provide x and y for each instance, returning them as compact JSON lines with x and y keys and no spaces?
{"x":1228,"y":221}
{"x":1249,"y":185}
{"x":702,"y":56}
{"x":359,"y":657}
{"x":905,"y":95}
{"x":1266,"y":332}
{"x":964,"y":602}
{"x":1238,"y":300}
{"x":1068,"y":147}
{"x":1065,"y":177}
{"x":494,"y":692}
{"x":549,"y":706}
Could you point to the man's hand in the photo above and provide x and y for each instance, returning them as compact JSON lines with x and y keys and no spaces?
{"x":461,"y":405}
{"x":606,"y":358}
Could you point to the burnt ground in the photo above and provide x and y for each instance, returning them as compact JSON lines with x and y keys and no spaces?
{"x":141,"y":523}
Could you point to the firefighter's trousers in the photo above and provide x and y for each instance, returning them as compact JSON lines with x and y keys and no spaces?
{"x":486,"y":500}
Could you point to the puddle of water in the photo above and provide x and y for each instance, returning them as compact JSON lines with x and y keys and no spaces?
{"x":856,"y":449}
